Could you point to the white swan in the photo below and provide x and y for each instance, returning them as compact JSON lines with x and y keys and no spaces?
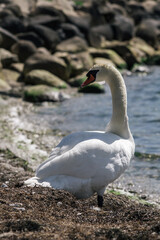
{"x":86,"y":162}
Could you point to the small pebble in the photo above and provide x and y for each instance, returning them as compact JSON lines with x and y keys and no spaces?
{"x":96,"y":209}
{"x":20,"y":209}
{"x":4,"y":185}
{"x":59,"y":203}
{"x":79,"y":214}
{"x":15,"y":204}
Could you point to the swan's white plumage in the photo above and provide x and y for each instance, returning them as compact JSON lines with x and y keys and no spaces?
{"x":86,"y":162}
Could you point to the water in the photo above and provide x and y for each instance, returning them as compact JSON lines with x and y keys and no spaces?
{"x":92,"y":112}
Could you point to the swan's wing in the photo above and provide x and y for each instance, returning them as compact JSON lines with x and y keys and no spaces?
{"x":69,"y":141}
{"x":88,"y":159}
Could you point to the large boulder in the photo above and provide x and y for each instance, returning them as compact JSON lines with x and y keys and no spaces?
{"x":47,"y":8}
{"x":52,"y":22}
{"x":78,"y":62}
{"x":92,"y":88}
{"x":15,"y":9}
{"x":154,"y":59}
{"x":7,"y":58}
{"x":44,"y":77}
{"x":32,"y":37}
{"x":11,"y":77}
{"x":41,"y":93}
{"x":142,"y":45}
{"x":101,"y":61}
{"x":4,"y":86}
{"x":18,"y":67}
{"x":8,"y":39}
{"x":68,"y":30}
{"x":47,"y":62}
{"x":24,"y":49}
{"x":26,"y":5}
{"x":137,"y":11}
{"x":72,"y":45}
{"x":123,"y":28}
{"x":97,"y":33}
{"x":49,"y":36}
{"x":12,"y":24}
{"x":149,"y":31}
{"x":109,"y":54}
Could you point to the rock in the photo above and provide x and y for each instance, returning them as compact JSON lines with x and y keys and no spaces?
{"x":7,"y":58}
{"x":43,"y":50}
{"x":100,"y":61}
{"x":128,"y":52}
{"x":80,"y":19}
{"x":11,"y":77}
{"x":49,"y":36}
{"x":13,"y":24}
{"x":24,"y":49}
{"x":137,"y":11}
{"x":68,"y":30}
{"x":109,"y":54}
{"x":8,"y":39}
{"x":26,"y":5}
{"x":80,"y":62}
{"x":52,"y":22}
{"x":155,"y":59}
{"x":44,"y":77}
{"x":142,"y":45}
{"x":47,"y":62}
{"x":149,"y":6}
{"x":149,"y":31}
{"x":142,"y":69}
{"x":78,"y":80}
{"x":18,"y":67}
{"x":4,"y":86}
{"x":60,"y":5}
{"x":123,"y":28}
{"x":98,"y":33}
{"x":15,"y":9}
{"x":5,"y":13}
{"x":41,"y":93}
{"x":47,"y":8}
{"x":32,"y":37}
{"x":92,"y":88}
{"x":72,"y":45}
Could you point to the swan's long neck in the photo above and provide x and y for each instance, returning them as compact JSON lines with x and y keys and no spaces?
{"x":119,"y":121}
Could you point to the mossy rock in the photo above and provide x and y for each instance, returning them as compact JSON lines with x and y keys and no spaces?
{"x":109,"y":54}
{"x":11,"y":77}
{"x":155,"y":59}
{"x":92,"y":88}
{"x":77,"y":81}
{"x":4,"y":86}
{"x":36,"y":77}
{"x":40,"y":93}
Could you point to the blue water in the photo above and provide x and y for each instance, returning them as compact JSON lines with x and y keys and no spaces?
{"x":93,"y":112}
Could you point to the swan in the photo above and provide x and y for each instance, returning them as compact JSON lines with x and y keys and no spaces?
{"x":84,"y":163}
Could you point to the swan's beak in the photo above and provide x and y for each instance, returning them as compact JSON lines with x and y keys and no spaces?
{"x":89,"y":80}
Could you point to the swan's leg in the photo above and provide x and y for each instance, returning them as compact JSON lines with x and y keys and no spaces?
{"x":100,"y":197}
{"x":100,"y":201}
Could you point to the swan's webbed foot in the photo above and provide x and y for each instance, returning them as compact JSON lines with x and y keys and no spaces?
{"x":100,"y":201}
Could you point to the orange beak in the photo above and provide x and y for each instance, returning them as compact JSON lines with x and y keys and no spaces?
{"x":89,"y":80}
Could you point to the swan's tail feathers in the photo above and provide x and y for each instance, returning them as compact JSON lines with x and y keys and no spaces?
{"x":31,"y":182}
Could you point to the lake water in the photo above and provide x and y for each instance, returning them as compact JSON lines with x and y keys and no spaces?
{"x":92,"y":112}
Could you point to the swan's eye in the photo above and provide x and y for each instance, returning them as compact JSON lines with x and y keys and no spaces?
{"x":92,"y":72}
{"x":91,"y":77}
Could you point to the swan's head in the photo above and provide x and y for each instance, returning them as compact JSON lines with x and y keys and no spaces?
{"x":97,"y":73}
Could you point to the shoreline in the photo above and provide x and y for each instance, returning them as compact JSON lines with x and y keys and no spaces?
{"x":31,"y":144}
